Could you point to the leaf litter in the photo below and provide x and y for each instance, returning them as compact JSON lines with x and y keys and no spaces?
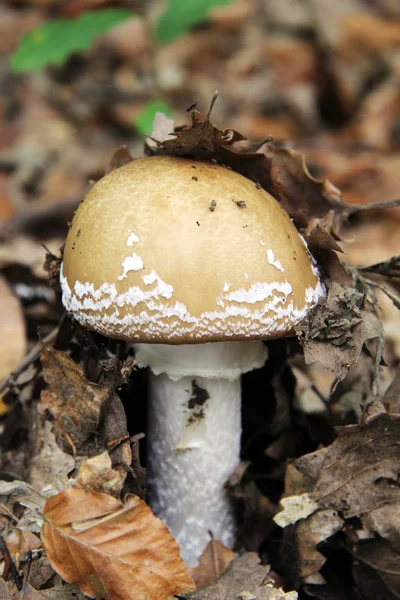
{"x":361,"y":519}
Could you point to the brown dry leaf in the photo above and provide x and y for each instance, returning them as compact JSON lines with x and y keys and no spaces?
{"x":121,"y":157}
{"x":244,"y":579}
{"x":112,"y":550}
{"x":88,"y":417}
{"x":336,"y":330}
{"x":72,"y":400}
{"x":63,"y":591}
{"x":353,"y":477}
{"x":27,"y":592}
{"x":391,"y":399}
{"x":282,"y":172}
{"x":49,"y":466}
{"x":13,"y":342}
{"x":97,"y":475}
{"x":212,"y":563}
{"x":12,"y":492}
{"x":19,"y":542}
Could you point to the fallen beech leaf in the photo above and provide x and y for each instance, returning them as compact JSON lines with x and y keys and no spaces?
{"x":244,"y":579}
{"x":212,"y":563}
{"x":112,"y":550}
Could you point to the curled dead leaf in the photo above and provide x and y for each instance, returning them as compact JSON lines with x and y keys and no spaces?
{"x":336,"y":330}
{"x":88,"y":417}
{"x":112,"y":550}
{"x":97,"y":475}
{"x":281,"y":171}
{"x":354,"y":477}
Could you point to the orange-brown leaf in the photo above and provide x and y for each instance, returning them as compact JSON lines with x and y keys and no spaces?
{"x":212,"y":563}
{"x":112,"y":550}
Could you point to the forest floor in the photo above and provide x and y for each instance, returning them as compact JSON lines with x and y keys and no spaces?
{"x":318,"y":491}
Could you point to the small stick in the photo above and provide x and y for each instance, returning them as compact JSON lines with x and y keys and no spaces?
{"x":9,"y":566}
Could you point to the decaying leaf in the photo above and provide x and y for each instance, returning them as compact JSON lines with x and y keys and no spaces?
{"x":244,"y":579}
{"x":12,"y":330}
{"x":88,"y":417}
{"x":212,"y":563}
{"x":27,"y":592}
{"x":356,"y":476}
{"x":72,"y":400}
{"x":282,"y":172}
{"x":49,"y":465}
{"x":392,"y":396}
{"x":27,"y":496}
{"x":63,"y":591}
{"x":112,"y":550}
{"x":121,"y":157}
{"x":97,"y":475}
{"x":337,"y":329}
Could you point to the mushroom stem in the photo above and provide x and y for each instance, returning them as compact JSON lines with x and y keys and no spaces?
{"x":194,"y":436}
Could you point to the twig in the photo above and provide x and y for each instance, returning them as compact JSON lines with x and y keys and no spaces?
{"x":389,"y":268}
{"x":354,"y":208}
{"x":395,"y":299}
{"x":9,"y":566}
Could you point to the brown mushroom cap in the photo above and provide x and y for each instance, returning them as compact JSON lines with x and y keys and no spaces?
{"x":171,"y":250}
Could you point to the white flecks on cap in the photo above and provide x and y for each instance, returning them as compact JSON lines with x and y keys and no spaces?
{"x":274,"y":261}
{"x":258,"y":292}
{"x":132,"y":239}
{"x":226,"y":286}
{"x":131,"y":263}
{"x":262,"y":243}
{"x":161,"y":315}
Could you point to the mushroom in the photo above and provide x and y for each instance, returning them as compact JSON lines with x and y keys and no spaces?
{"x":195,"y":290}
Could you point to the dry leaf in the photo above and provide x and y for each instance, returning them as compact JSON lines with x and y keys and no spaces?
{"x":282,"y":172}
{"x":121,"y":157}
{"x":336,"y":330}
{"x":18,"y":491}
{"x":244,"y":579}
{"x":49,"y":466}
{"x":77,"y":405}
{"x":72,"y":400}
{"x":97,"y":475}
{"x":12,"y":330}
{"x":212,"y":563}
{"x":112,"y":550}
{"x":353,"y":477}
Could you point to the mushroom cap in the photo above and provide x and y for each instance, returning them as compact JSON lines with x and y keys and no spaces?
{"x":171,"y":250}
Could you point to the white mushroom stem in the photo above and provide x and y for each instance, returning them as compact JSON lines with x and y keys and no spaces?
{"x":194,"y":436}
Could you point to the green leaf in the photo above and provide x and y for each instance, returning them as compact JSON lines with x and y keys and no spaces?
{"x":55,"y":40}
{"x":144,"y":120}
{"x":180,"y":15}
